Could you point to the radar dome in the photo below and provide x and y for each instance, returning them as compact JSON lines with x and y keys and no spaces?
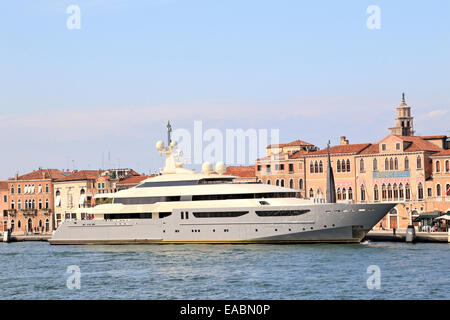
{"x":160,"y":145}
{"x":207,"y":167}
{"x":221,"y":168}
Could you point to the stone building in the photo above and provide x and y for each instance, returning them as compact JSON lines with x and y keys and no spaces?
{"x":74,"y":191}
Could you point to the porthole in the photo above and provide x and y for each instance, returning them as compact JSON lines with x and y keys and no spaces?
{"x":276,"y":229}
{"x":256,"y":230}
{"x":312,"y":228}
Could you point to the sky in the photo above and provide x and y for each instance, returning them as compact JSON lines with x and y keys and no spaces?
{"x":100,"y":96}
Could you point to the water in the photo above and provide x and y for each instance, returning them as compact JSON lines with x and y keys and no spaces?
{"x":36,"y":270}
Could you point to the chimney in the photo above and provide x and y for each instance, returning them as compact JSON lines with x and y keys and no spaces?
{"x":344,"y":141}
{"x":17,"y":175}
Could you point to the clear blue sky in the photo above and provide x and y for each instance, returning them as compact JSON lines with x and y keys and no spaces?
{"x":311,"y":68}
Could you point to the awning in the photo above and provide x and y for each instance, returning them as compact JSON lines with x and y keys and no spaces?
{"x":428,"y":215}
{"x":444,"y":217}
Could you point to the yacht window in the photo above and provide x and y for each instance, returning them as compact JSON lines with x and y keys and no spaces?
{"x":222,"y":214}
{"x":264,"y":203}
{"x":182,"y":215}
{"x":273,"y":213}
{"x":187,"y":215}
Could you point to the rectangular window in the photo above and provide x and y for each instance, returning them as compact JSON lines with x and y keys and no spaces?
{"x":258,"y":168}
{"x":99,"y":186}
{"x":103,"y":186}
{"x":282,"y":167}
{"x":46,"y":188}
{"x":383,"y":147}
{"x":291,"y":167}
{"x":397,"y":146}
{"x":430,"y":192}
{"x":5,"y":198}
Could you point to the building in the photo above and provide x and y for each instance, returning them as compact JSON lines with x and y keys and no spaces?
{"x":31,"y":201}
{"x":131,"y":182}
{"x":3,"y":206}
{"x":74,"y":191}
{"x":243,"y":173}
{"x":411,"y":170}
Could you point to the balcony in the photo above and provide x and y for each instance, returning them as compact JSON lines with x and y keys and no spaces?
{"x":29,"y":212}
{"x":47,"y":212}
{"x":11,"y":212}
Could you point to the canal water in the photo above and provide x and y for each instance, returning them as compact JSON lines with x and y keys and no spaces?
{"x":36,"y":270}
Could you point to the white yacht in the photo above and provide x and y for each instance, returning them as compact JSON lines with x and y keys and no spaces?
{"x":182,"y":206}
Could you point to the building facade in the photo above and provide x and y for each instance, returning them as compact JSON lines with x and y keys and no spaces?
{"x":31,"y":201}
{"x":75,"y":191}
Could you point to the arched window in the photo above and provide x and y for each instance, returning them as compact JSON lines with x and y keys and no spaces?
{"x":46,"y":204}
{"x":33,"y":204}
{"x":438,"y":166}
{"x":12,"y":189}
{"x":40,"y":204}
{"x":311,"y":193}
{"x":12,"y":225}
{"x":391,"y":164}
{"x":363,"y":193}
{"x":406,"y":163}
{"x":350,"y":193}
{"x":291,"y":183}
{"x":316,"y":167}
{"x":395,"y":192}
{"x":40,"y":223}
{"x":268,"y":181}
{"x":447,"y":166}
{"x":344,"y":194}
{"x":419,"y":162}
{"x":375,"y":164}
{"x":338,"y":193}
{"x":420,"y":191}
{"x":438,"y":190}
{"x":300,"y":183}
{"x":447,"y":190}
{"x":386,"y":164}
{"x":282,"y":182}
{"x":401,"y":194}
{"x":277,"y":182}
{"x":348,"y":165}
{"x":320,"y":166}
{"x":338,"y":169}
{"x":361,"y":165}
{"x":389,"y":191}
{"x":12,"y":203}
{"x":311,"y":167}
{"x":375,"y":193}
{"x":407,"y":192}
{"x":395,"y":163}
{"x":19,"y":224}
{"x":19,"y":204}
{"x":47,"y":225}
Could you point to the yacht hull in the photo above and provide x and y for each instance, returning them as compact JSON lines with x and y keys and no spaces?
{"x":329,"y":223}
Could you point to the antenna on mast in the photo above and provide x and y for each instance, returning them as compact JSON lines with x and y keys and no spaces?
{"x":169,"y":130}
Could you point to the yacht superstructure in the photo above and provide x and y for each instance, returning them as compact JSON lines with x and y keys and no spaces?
{"x":182,"y":206}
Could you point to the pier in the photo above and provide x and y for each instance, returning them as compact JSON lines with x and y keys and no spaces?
{"x":400,"y":236}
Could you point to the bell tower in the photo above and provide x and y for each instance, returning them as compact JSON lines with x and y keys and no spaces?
{"x":404,"y":121}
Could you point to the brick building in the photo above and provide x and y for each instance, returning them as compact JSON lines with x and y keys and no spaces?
{"x":411,"y":170}
{"x":3,"y":206}
{"x":31,"y":201}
